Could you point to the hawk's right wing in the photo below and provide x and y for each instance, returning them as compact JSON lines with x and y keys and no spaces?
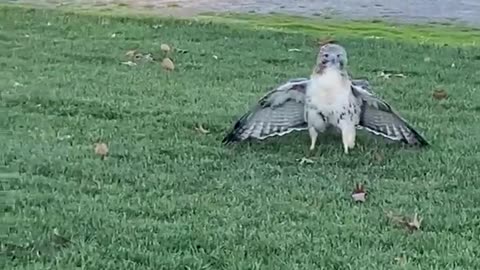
{"x":279,"y":112}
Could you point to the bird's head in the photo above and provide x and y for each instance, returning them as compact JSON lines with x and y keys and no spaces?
{"x":331,"y":55}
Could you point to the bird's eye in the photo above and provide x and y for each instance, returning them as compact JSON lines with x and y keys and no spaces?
{"x":325,"y":55}
{"x":338,"y":55}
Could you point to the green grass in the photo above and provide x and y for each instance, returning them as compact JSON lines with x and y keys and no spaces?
{"x":169,"y":197}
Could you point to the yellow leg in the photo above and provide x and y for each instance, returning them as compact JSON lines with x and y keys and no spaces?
{"x":313,"y":137}
{"x":348,"y":138}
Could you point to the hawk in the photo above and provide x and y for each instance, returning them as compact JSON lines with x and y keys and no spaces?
{"x":328,"y":99}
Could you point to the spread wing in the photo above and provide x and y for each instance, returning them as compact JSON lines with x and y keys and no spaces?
{"x":279,"y":112}
{"x":379,"y":118}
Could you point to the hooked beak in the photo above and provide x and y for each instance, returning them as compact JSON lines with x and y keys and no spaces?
{"x":332,"y":59}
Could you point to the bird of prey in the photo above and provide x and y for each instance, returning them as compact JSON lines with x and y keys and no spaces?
{"x":329,"y":98}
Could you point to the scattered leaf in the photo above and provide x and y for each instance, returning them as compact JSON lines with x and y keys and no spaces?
{"x":401,"y":260}
{"x":156,"y":26}
{"x":294,"y":50}
{"x":439,"y":94}
{"x":326,"y":40}
{"x":27,"y":35}
{"x":101,"y":149}
{"x":59,"y":240}
{"x":178,"y":50}
{"x":412,"y":225}
{"x":305,"y":160}
{"x":215,"y":57}
{"x":165,"y":47}
{"x":415,"y":223}
{"x":168,"y":64}
{"x":200,"y":129}
{"x":17,"y":84}
{"x":359,"y":193}
{"x":378,"y":156}
{"x":373,"y":37}
{"x":114,"y":35}
{"x":131,"y":53}
{"x":387,"y":75}
{"x":453,"y":65}
{"x":49,"y":23}
{"x":427,"y":59}
{"x":129,"y":63}
{"x":148,"y":57}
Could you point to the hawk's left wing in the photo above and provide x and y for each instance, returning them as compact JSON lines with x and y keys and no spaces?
{"x":379,"y":118}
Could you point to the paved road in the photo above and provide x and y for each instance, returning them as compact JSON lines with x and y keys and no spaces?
{"x":464,"y":11}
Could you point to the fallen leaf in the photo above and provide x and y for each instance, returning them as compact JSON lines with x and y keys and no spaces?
{"x":16,"y":84}
{"x":386,"y":75}
{"x":114,"y":35}
{"x":59,"y":240}
{"x":453,"y":65}
{"x":148,"y":57}
{"x":326,"y":40}
{"x":215,"y":57}
{"x":359,"y":193}
{"x":49,"y":23}
{"x":378,"y":156}
{"x":101,"y":149}
{"x":305,"y":160}
{"x":294,"y":50}
{"x":129,"y":63}
{"x":178,"y":50}
{"x":165,"y":47}
{"x":427,"y":59}
{"x":200,"y":129}
{"x":156,"y":26}
{"x":439,"y":94}
{"x":401,"y":260}
{"x":412,"y":225}
{"x":415,"y":223}
{"x":399,"y":75}
{"x":131,"y":53}
{"x":168,"y":64}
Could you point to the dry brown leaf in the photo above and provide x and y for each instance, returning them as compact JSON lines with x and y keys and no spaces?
{"x":378,"y":156}
{"x":101,"y":149}
{"x":200,"y":129}
{"x":129,"y":63}
{"x":439,"y":94}
{"x":412,"y":225}
{"x":165,"y":47}
{"x":415,"y":223}
{"x":305,"y":160}
{"x":359,"y":193}
{"x":326,"y":40}
{"x":294,"y":50}
{"x":59,"y":240}
{"x":130,"y":53}
{"x":168,"y":64}
{"x":401,"y":260}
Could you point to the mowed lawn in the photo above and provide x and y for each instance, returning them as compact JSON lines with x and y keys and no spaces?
{"x":171,"y":197}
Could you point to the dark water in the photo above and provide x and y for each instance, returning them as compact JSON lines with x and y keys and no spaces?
{"x":463,"y":11}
